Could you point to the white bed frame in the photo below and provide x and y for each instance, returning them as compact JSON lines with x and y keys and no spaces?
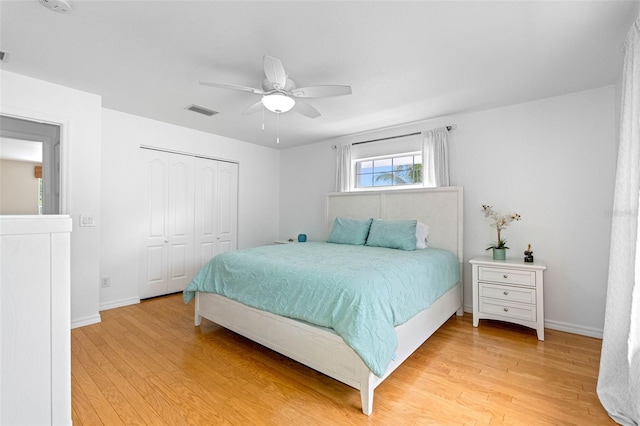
{"x":321,"y":348}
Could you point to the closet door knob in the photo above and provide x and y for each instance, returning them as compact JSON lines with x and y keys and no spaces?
{"x":506,"y":293}
{"x":505,"y":276}
{"x":506,"y":309}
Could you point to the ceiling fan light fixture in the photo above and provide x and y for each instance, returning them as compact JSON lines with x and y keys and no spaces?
{"x":278,"y":103}
{"x":60,"y":6}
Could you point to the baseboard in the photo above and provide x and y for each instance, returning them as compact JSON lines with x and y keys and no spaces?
{"x":563,"y":326}
{"x":119,"y":303}
{"x":574,"y":328}
{"x":81,"y":322}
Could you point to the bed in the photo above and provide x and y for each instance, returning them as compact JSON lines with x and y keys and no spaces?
{"x":322,"y":347}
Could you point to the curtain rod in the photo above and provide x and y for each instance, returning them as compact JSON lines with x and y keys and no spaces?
{"x":449,"y":128}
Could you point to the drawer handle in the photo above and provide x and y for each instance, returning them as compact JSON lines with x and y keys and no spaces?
{"x":505,"y":276}
{"x":506,"y":309}
{"x":506,"y":293}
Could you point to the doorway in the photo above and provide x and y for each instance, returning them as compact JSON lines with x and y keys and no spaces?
{"x":29,"y":167}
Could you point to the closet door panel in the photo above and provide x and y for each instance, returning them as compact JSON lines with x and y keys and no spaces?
{"x":206,"y":228}
{"x":207,"y":251}
{"x":181,"y":202}
{"x":156,"y":264}
{"x":180,"y":267}
{"x":181,"y":222}
{"x":158,"y":179}
{"x":155,"y":199}
{"x":227,"y":207}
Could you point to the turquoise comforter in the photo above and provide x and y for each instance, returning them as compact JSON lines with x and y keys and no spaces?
{"x":360,"y":292}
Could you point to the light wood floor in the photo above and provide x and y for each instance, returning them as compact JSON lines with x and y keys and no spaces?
{"x":148,"y":364}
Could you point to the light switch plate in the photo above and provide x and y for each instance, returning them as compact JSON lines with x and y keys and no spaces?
{"x":86,"y":220}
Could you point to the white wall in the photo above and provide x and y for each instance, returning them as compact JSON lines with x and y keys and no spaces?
{"x":552,"y":161}
{"x":306,"y":175}
{"x":123,"y":217}
{"x":80,"y":116}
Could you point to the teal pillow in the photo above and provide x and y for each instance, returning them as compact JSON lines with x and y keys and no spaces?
{"x":395,"y":234}
{"x":349,"y":231}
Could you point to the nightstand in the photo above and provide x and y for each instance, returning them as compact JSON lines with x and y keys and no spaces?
{"x":509,"y":290}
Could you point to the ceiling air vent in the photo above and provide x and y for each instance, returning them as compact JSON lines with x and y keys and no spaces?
{"x":201,"y":110}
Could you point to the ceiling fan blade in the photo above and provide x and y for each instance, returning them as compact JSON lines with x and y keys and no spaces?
{"x":274,"y":71}
{"x":233,"y":87}
{"x":306,"y":109}
{"x":321,"y":91}
{"x":253,"y":108}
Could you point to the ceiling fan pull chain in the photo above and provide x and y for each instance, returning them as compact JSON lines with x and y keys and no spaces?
{"x":262,"y":117}
{"x":277,"y":127}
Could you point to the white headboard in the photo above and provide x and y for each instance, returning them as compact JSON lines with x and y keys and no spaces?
{"x":440,"y":208}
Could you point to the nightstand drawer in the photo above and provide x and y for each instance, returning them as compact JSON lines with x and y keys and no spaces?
{"x":507,"y":310}
{"x":507,"y":276}
{"x":509,"y":294}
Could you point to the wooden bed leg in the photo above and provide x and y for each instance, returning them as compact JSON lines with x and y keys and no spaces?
{"x":366,"y":392}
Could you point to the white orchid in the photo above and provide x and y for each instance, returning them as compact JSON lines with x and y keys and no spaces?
{"x":500,"y":222}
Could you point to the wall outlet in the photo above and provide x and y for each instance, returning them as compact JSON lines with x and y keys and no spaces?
{"x":105,"y":282}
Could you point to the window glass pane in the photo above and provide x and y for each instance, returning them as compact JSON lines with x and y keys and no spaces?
{"x":382,"y":166}
{"x":383,"y":179}
{"x":364,"y":167}
{"x":365,"y":181}
{"x":403,"y":161}
{"x":404,"y":178}
{"x":414,"y":174}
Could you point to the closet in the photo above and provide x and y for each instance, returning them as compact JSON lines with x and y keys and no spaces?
{"x":190,"y":215}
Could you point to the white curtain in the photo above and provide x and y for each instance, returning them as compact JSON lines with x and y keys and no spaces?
{"x":343,"y":168}
{"x":619,"y":377}
{"x":436,"y":157}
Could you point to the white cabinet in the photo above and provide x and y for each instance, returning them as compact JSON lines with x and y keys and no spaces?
{"x":190,"y":216}
{"x":35,"y":324}
{"x":509,"y":290}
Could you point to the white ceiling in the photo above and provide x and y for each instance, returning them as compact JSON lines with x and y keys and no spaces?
{"x":20,"y":150}
{"x":405,"y":61}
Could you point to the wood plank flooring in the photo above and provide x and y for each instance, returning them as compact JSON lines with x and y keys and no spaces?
{"x":147,"y":364}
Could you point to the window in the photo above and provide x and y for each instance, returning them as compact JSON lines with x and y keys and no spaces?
{"x":399,"y":170}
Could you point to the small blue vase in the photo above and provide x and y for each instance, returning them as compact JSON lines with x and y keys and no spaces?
{"x":302,"y":238}
{"x":499,"y":254}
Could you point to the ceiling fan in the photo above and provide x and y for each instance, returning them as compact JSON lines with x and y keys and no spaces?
{"x":280,"y":94}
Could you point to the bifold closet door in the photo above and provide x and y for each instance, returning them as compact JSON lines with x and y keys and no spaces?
{"x":216,"y":208}
{"x":166,"y":264}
